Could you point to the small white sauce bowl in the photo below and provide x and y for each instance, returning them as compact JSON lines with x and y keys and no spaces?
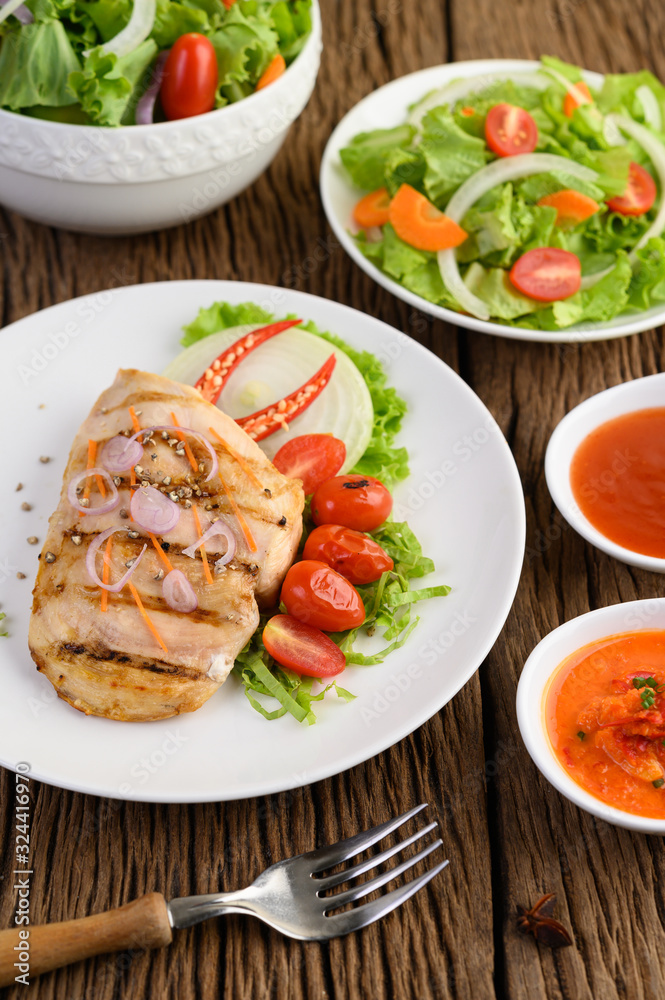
{"x":137,"y":178}
{"x":640,"y":394}
{"x":541,"y":668}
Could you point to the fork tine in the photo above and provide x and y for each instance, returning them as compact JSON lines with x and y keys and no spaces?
{"x":362,"y":916}
{"x":377,"y":859}
{"x":326,"y":857}
{"x":358,"y":891}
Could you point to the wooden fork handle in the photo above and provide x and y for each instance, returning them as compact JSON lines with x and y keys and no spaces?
{"x":144,"y":924}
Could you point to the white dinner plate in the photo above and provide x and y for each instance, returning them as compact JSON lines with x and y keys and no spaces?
{"x":463,"y":499}
{"x":387,"y":107}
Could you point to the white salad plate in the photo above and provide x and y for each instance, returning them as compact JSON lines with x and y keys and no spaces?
{"x":640,"y":394}
{"x":387,"y":107}
{"x":463,"y":499}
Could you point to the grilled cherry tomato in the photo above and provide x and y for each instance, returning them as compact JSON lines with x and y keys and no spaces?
{"x":190,"y":77}
{"x":639,"y":195}
{"x":547,"y":274}
{"x":359,"y":502}
{"x":302,"y":648}
{"x":312,"y":458}
{"x":315,"y":594}
{"x":510,"y":130}
{"x":356,"y":556}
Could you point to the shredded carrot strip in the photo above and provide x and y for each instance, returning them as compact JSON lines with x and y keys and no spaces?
{"x":239,"y":459}
{"x":105,"y":575}
{"x":144,"y":613}
{"x":135,"y":420}
{"x":204,"y":554}
{"x":241,"y":520}
{"x":165,"y":559}
{"x":92,"y":457}
{"x":188,"y":451}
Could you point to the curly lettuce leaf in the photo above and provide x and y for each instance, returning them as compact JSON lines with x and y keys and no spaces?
{"x":365,"y":158}
{"x":108,"y":87}
{"x":36,"y":61}
{"x":451,"y":155}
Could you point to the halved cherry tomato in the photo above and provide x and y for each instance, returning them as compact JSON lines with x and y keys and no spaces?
{"x":356,"y":556}
{"x":373,"y":209}
{"x":571,"y":102}
{"x":510,"y":130}
{"x":547,"y":274}
{"x":190,"y":77}
{"x":639,"y":195}
{"x":420,"y":224}
{"x":275,"y":68}
{"x":359,"y":502}
{"x":572,"y":207}
{"x":302,"y":648}
{"x":312,"y":458}
{"x":315,"y":594}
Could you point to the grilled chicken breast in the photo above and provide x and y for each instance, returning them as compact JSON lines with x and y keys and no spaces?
{"x":110,"y":663}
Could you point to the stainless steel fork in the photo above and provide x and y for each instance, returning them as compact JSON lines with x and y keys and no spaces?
{"x":292,"y":896}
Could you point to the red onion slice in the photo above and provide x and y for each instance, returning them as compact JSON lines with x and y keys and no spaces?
{"x":20,"y":11}
{"x":145,"y":109}
{"x":120,"y":454}
{"x":91,"y":556}
{"x":178,"y":592}
{"x":218,"y":528}
{"x":104,"y":508}
{"x":153,"y":511}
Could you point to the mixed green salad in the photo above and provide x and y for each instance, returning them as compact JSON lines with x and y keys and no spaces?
{"x":532,"y":199}
{"x":101,"y":62}
{"x":389,"y":600}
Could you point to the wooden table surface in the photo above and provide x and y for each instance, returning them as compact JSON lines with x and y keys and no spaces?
{"x":509,"y":835}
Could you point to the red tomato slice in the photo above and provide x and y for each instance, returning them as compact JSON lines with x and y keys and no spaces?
{"x":639,"y":195}
{"x":315,"y":594}
{"x":356,"y":556}
{"x":190,"y":77}
{"x":312,"y":458}
{"x":302,"y":648}
{"x":510,"y":130}
{"x":359,"y":502}
{"x":547,"y":274}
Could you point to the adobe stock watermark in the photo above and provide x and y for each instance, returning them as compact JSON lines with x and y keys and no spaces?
{"x":22,"y":872}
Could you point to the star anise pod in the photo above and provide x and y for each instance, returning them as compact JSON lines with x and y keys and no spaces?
{"x":540,"y":922}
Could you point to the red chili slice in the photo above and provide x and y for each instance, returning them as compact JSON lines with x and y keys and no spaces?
{"x":216,"y":376}
{"x":272,"y":418}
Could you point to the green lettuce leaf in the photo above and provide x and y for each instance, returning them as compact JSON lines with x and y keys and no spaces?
{"x":221,"y":316}
{"x":647,"y":287}
{"x":451,"y":155}
{"x":35,"y":63}
{"x":494,"y":287}
{"x":365,"y":158}
{"x":244,"y":46}
{"x":108,"y":87}
{"x":618,"y":93}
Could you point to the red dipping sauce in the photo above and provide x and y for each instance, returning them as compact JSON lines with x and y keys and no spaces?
{"x":617,"y":476}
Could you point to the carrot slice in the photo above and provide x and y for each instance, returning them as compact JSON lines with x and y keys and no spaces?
{"x":572,"y":101}
{"x":571,"y":206}
{"x":135,"y":420}
{"x":144,"y":615}
{"x":467,"y":112}
{"x":241,"y":520}
{"x":373,"y":209}
{"x":239,"y":459}
{"x":274,"y":70}
{"x":188,"y":451}
{"x":106,"y":572}
{"x":204,"y":554}
{"x":160,"y":551}
{"x":420,"y":224}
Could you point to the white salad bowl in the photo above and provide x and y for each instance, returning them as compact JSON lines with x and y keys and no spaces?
{"x":134,"y":179}
{"x":537,"y":675}
{"x":387,"y":107}
{"x":640,"y":394}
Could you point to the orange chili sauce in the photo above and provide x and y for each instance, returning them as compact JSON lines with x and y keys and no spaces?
{"x":617,"y":476}
{"x":581,"y":677}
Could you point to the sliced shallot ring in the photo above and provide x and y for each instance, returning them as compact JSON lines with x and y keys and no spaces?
{"x":145,"y":109}
{"x":104,"y":508}
{"x":123,"y":465}
{"x":91,"y":555}
{"x":154,"y":511}
{"x":120,"y":454}
{"x":216,"y":528}
{"x":178,"y":592}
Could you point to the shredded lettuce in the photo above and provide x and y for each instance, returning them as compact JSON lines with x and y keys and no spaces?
{"x":388,"y":601}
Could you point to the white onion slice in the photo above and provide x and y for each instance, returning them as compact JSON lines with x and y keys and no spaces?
{"x":572,"y":88}
{"x":501,"y":171}
{"x":650,"y":106}
{"x":178,"y":592}
{"x":611,"y":133}
{"x":217,"y":528}
{"x":135,"y":31}
{"x":16,"y":8}
{"x":154,"y":511}
{"x":91,"y":555}
{"x":454,"y":91}
{"x":103,"y":508}
{"x":120,"y":453}
{"x":656,"y":153}
{"x":145,"y":109}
